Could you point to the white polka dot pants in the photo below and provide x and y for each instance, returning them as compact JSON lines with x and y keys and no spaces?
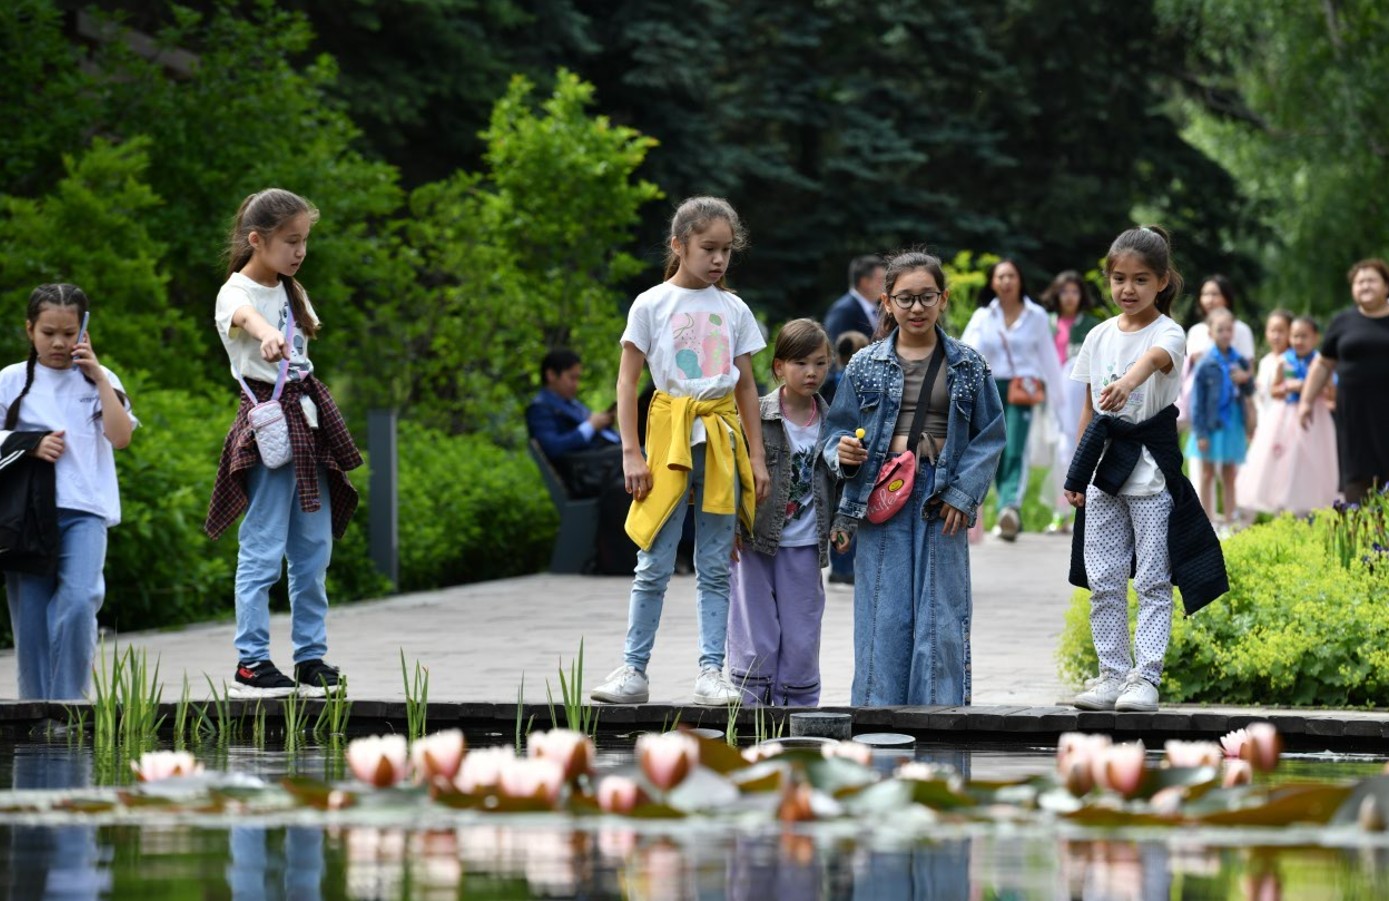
{"x":1117,"y":528}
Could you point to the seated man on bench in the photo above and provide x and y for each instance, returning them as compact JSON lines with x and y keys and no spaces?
{"x":581,"y":444}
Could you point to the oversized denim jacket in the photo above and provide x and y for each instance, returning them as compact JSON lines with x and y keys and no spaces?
{"x":870,"y":396}
{"x":771,"y":513}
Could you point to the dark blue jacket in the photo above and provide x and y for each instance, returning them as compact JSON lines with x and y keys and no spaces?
{"x":846,"y":315}
{"x":554,"y":422}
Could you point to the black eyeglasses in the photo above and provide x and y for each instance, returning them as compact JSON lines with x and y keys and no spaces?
{"x":905,"y":302}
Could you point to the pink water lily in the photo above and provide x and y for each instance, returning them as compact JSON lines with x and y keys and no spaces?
{"x":667,"y":758}
{"x":1263,"y":747}
{"x":856,"y":751}
{"x":378,"y":760}
{"x":481,"y":770}
{"x":764,"y":751}
{"x":438,"y":755}
{"x":1237,"y":772}
{"x":1189,"y":754}
{"x":1232,"y":743}
{"x":156,"y":765}
{"x":573,"y":751}
{"x":1120,"y":768}
{"x":1078,"y":777}
{"x":1076,"y":754}
{"x":620,"y":795}
{"x":523,"y":780}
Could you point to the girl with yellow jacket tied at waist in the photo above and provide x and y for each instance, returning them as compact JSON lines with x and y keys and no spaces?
{"x":704,"y":440}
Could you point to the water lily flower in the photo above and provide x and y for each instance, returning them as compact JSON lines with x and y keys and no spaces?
{"x":1233,"y":742}
{"x":620,"y":795}
{"x":920,"y":771}
{"x":765,"y":751}
{"x":1078,"y":777}
{"x":438,"y":755}
{"x":856,"y":751}
{"x":1237,"y":772}
{"x":573,"y":751}
{"x":156,"y":765}
{"x":378,"y":760}
{"x":1263,"y":747}
{"x":481,"y":770}
{"x":1120,"y":768}
{"x":795,"y":804}
{"x":667,"y":758}
{"x":1075,"y":758}
{"x":1192,"y":753}
{"x":525,"y":779}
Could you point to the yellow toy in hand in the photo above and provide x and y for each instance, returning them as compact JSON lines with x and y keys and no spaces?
{"x":859,"y":433}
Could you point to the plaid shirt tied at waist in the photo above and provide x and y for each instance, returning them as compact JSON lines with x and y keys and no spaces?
{"x":330,"y":445}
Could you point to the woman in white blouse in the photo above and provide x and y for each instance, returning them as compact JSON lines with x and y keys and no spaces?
{"x":1217,"y":291}
{"x":1013,"y":334}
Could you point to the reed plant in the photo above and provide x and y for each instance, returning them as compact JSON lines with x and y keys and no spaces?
{"x":337,"y":709}
{"x":296,"y":718}
{"x":416,"y":698}
{"x":521,"y":734}
{"x":181,"y":714}
{"x":767,"y":726}
{"x":224,"y":727}
{"x":578,"y":716}
{"x":125,"y":700}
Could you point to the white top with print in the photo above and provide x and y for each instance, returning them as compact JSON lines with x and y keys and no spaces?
{"x":244,"y":351}
{"x":62,"y":399}
{"x":1106,"y":355}
{"x":690,"y":339}
{"x":799,"y":530}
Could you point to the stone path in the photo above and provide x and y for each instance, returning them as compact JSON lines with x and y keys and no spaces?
{"x":479,"y":640}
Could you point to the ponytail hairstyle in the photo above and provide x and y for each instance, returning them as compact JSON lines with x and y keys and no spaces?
{"x":1153,"y":247}
{"x":693,"y":217}
{"x":59,"y":296}
{"x":898,"y":264}
{"x":265,"y":213}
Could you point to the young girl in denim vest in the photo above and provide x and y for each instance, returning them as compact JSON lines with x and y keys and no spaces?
{"x":1136,"y":506}
{"x":778,"y":596}
{"x":704,"y":440}
{"x":295,"y":511}
{"x":912,"y":602}
{"x":64,"y":392}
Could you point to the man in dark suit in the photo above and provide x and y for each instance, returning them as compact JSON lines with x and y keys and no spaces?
{"x":580,"y":443}
{"x":857,"y":310}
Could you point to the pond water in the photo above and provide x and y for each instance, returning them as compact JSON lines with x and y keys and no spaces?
{"x":468,"y":855}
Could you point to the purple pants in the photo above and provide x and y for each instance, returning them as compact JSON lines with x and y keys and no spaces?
{"x":774,"y":626}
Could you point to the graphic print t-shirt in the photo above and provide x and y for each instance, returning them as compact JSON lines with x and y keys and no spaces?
{"x":799,"y":529}
{"x":691,"y":338}
{"x":1109,"y":353}
{"x":244,"y":351}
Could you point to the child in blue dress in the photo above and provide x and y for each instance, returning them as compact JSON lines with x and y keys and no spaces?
{"x":1218,"y":426}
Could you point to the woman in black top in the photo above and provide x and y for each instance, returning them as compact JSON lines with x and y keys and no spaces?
{"x":1356,"y":349}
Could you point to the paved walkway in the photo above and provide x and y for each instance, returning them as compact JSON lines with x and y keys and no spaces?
{"x":479,"y":640}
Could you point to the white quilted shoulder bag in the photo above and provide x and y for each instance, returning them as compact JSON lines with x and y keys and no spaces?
{"x":267,"y":419}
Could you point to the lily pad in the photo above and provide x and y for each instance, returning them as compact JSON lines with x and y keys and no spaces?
{"x":1286,"y":805}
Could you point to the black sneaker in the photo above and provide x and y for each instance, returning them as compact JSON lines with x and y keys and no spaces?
{"x":260,"y":680}
{"x":315,"y":678}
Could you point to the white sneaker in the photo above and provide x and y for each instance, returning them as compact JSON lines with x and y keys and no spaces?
{"x":1009,"y":524}
{"x":1100,"y":692}
{"x":713,"y":690}
{"x":624,"y":685}
{"x":1138,"y":695}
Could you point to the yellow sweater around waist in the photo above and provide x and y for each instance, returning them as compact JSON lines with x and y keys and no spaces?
{"x":670,"y":457}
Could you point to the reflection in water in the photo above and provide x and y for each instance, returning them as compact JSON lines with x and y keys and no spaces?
{"x":591,"y":857}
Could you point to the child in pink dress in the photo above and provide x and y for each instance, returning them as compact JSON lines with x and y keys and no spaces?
{"x":1291,"y":468}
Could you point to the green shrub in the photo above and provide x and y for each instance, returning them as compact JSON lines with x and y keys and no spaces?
{"x":469,"y":510}
{"x":1296,"y":629}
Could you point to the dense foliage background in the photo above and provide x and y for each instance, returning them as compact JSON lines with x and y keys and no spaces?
{"x":496,"y":176}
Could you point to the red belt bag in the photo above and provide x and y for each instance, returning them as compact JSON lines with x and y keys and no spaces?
{"x":893,"y":487}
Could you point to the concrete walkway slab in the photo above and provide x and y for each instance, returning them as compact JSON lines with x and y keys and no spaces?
{"x":479,"y":640}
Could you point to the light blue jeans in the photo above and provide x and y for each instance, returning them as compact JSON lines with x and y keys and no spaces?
{"x":54,"y":617}
{"x":912,"y":608}
{"x":273,"y":530}
{"x":288,"y":865}
{"x":713,"y":547}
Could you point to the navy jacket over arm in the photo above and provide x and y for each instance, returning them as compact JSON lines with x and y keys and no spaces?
{"x":554,"y":422}
{"x":1193,"y":550}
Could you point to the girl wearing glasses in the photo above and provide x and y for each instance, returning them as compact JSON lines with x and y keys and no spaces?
{"x":912,"y":604}
{"x":1014,"y":335}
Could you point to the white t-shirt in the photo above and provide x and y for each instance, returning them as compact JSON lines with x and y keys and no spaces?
{"x":1198,"y":340}
{"x":1106,"y":355}
{"x":691,"y":338}
{"x":244,"y":351}
{"x":799,"y":530}
{"x":63,"y":399}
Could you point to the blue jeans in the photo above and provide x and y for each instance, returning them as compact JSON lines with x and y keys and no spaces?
{"x":912,"y":607}
{"x":289,"y":865}
{"x":275,"y":528}
{"x":54,"y":617}
{"x":713,"y":547}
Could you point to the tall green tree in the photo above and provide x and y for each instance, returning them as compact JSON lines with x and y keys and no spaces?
{"x":1289,"y":97}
